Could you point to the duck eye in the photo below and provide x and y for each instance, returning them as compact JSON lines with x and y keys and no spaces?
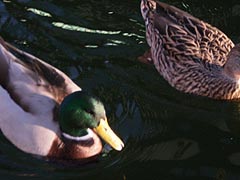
{"x":90,"y":111}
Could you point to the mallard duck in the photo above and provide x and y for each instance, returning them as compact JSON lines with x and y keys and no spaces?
{"x":193,"y":56}
{"x":43,"y":112}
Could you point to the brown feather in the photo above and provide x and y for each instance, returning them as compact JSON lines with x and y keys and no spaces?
{"x":189,"y":53}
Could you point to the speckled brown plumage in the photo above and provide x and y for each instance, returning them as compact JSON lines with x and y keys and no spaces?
{"x":193,"y":56}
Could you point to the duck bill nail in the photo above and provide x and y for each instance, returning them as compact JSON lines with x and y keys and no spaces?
{"x":107,"y":134}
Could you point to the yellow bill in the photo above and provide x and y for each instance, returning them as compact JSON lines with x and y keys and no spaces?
{"x":107,"y":134}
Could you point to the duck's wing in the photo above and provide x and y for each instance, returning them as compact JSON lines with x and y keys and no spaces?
{"x":34,"y":85}
{"x":180,"y":34}
{"x":30,"y":93}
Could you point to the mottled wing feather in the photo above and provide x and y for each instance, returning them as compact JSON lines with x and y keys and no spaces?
{"x":35,"y":86}
{"x":32,"y":63}
{"x":184,"y":34}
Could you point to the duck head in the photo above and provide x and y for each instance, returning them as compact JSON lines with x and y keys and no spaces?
{"x":82,"y":117}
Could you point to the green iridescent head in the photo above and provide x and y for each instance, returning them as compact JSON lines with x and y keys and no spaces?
{"x":80,"y":112}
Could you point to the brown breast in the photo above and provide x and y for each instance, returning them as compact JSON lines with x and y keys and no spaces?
{"x":70,"y":150}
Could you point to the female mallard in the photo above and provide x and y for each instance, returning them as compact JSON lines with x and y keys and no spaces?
{"x":44,"y":113}
{"x":191,"y":55}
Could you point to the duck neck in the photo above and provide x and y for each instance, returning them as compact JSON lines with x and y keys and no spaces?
{"x":88,"y":135}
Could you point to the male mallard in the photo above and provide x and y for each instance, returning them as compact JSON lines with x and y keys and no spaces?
{"x":44,"y":113}
{"x":191,"y":55}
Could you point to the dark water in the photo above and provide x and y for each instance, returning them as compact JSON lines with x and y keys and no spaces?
{"x":168,"y":135}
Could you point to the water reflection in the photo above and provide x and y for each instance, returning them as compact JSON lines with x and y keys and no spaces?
{"x":97,"y":44}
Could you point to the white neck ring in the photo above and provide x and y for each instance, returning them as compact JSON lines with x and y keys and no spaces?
{"x":86,"y":137}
